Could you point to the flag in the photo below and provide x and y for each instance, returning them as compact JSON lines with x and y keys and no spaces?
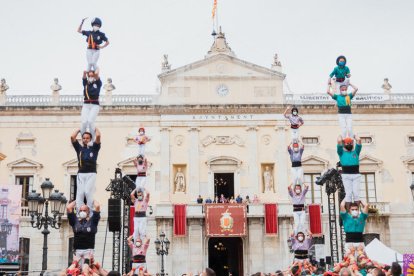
{"x":213,"y":12}
{"x":408,"y":264}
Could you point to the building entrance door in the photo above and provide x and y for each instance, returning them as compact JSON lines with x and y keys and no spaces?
{"x":224,"y":184}
{"x":225,"y":255}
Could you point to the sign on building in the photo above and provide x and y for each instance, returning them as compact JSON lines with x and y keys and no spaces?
{"x":226,"y":220}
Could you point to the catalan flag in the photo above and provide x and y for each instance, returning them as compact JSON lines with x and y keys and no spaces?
{"x":213,"y":12}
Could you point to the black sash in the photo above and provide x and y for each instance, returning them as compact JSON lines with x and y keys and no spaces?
{"x":139,"y":259}
{"x":354,"y":237}
{"x":296,"y":164}
{"x":298,"y":207}
{"x":350,"y":169}
{"x":301,"y":254}
{"x":140,"y":214}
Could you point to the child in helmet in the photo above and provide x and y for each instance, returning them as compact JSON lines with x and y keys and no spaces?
{"x":343,"y":101}
{"x":94,"y":39}
{"x":295,"y":121}
{"x":340,"y":74}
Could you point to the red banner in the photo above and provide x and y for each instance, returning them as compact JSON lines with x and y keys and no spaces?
{"x":271,"y":218}
{"x":315,"y":219}
{"x":131,"y":219}
{"x":180,"y":220}
{"x":226,"y":220}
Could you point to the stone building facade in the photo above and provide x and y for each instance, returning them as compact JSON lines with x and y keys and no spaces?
{"x":220,"y":116}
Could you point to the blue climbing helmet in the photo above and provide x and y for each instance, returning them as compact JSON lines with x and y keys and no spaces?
{"x":96,"y":22}
{"x":338,"y":58}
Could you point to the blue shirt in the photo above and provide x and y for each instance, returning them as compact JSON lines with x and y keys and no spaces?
{"x":94,"y":39}
{"x":353,"y":225}
{"x":349,"y":158}
{"x":91,"y":91}
{"x":87,"y":157}
{"x":84,"y":230}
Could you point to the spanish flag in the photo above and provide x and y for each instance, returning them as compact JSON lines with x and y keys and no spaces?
{"x":213,"y":12}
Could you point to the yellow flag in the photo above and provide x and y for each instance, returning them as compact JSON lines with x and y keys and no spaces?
{"x":213,"y":12}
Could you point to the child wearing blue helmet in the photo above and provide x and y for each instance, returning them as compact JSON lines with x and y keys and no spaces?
{"x":95,"y":38}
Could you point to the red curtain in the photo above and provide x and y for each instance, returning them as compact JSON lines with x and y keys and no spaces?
{"x":271,"y":218}
{"x":180,"y":220}
{"x":131,"y":219}
{"x":315,"y":219}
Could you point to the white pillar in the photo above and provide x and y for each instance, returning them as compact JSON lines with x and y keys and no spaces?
{"x":193,"y":166}
{"x":253,"y":168}
{"x":282,"y":166}
{"x":165,"y":164}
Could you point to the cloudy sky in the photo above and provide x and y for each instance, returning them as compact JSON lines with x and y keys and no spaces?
{"x":39,"y":40}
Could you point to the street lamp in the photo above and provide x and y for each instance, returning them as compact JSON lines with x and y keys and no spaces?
{"x":5,"y":230}
{"x":162,"y":245}
{"x":41,"y":219}
{"x":412,"y":188}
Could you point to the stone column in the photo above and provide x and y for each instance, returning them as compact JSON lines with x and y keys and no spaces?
{"x":253,"y":168}
{"x":165,"y":164}
{"x":193,"y":185}
{"x":282,"y":166}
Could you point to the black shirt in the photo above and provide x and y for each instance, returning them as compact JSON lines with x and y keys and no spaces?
{"x":91,"y":91}
{"x":94,"y":39}
{"x":87,"y":157}
{"x":84,"y":230}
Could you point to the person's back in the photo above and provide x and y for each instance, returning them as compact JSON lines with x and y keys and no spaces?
{"x":396,"y":269}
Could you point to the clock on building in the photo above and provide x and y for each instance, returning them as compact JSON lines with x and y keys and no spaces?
{"x":222,"y":90}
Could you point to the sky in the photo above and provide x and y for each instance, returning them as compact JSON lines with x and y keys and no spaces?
{"x":39,"y":40}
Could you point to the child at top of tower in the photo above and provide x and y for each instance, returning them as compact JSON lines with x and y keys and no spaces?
{"x":341,"y":71}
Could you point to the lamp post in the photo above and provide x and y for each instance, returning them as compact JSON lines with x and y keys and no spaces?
{"x":5,"y":230}
{"x":412,"y":189}
{"x":41,"y":219}
{"x":162,"y":245}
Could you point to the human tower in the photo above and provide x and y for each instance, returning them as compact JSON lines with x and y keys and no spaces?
{"x":84,"y":212}
{"x":348,"y":149}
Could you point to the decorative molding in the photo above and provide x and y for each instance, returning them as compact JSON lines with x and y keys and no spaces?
{"x":25,"y":164}
{"x":409,"y":163}
{"x":127,"y":166}
{"x":179,"y":140}
{"x":194,"y":128}
{"x":266,"y":139}
{"x":71,"y":166}
{"x":252,"y":128}
{"x":224,"y":163}
{"x":165,"y":128}
{"x":315,"y":164}
{"x":370,"y":164}
{"x":25,"y":140}
{"x":222,"y":140}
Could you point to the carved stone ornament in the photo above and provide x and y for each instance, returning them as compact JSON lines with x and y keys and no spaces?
{"x":266,"y":139}
{"x":222,"y":140}
{"x":179,"y":140}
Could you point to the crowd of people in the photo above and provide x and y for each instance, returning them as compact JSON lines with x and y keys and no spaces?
{"x":231,"y":200}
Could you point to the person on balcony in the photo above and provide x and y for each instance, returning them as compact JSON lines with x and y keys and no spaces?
{"x":87,"y":157}
{"x":295,"y":122}
{"x":139,"y":251}
{"x":298,"y":198}
{"x":140,"y":217}
{"x":94,"y":39}
{"x":84,"y":229}
{"x":354,"y":223}
{"x":91,"y":89}
{"x":295,"y":152}
{"x":142,"y":165}
{"x":343,"y":101}
{"x":349,"y":159}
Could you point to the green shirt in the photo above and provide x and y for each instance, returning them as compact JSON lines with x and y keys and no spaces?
{"x":349,"y":158}
{"x":341,"y":99}
{"x":352,"y":225}
{"x":340,"y":72}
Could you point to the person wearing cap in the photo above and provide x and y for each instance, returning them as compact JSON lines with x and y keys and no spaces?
{"x":298,"y":197}
{"x":140,"y":216}
{"x":295,"y":152}
{"x":343,"y":101}
{"x":91,"y":89}
{"x":295,"y":121}
{"x":142,"y":165}
{"x":94,"y":39}
{"x":300,"y":245}
{"x":340,"y":73}
{"x":139,"y":251}
{"x":349,"y":159}
{"x":141,"y":139}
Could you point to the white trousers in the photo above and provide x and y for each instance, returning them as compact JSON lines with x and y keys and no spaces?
{"x":351,"y":184}
{"x":88,"y":118}
{"x":140,"y":182}
{"x":92,"y":57}
{"x":85,"y":187}
{"x":141,"y":149}
{"x":83,"y":254}
{"x":299,"y":220}
{"x":295,"y":134}
{"x":140,"y":228}
{"x":137,"y":266}
{"x":338,"y":84}
{"x":348,"y":246}
{"x":345,"y":122}
{"x":297,"y":175}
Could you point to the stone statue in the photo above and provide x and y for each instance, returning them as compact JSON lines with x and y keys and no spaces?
{"x":3,"y":86}
{"x":386,"y":86}
{"x":276,"y":61}
{"x":56,"y":87}
{"x":268,"y":179}
{"x":165,"y":65}
{"x":179,"y":181}
{"x":109,"y":86}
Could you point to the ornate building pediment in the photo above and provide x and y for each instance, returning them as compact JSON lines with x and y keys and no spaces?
{"x":224,"y":163}
{"x":315,"y":164}
{"x":409,"y":163}
{"x":127,"y":166}
{"x":71,"y":166}
{"x":222,"y":140}
{"x":24,"y":165}
{"x":369,"y":164}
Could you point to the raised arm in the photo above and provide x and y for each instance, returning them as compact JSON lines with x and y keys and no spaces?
{"x":364,"y":208}
{"x":286,"y":111}
{"x":354,"y":89}
{"x":129,"y":240}
{"x":97,"y":73}
{"x":133,"y":195}
{"x":358,"y":139}
{"x":342,"y":206}
{"x":340,"y":140}
{"x":96,"y":206}
{"x":147,"y":196}
{"x":73,"y":136}
{"x":84,"y":75}
{"x":80,"y":26}
{"x":328,"y":91}
{"x":70,"y":207}
{"x":98,"y":136}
